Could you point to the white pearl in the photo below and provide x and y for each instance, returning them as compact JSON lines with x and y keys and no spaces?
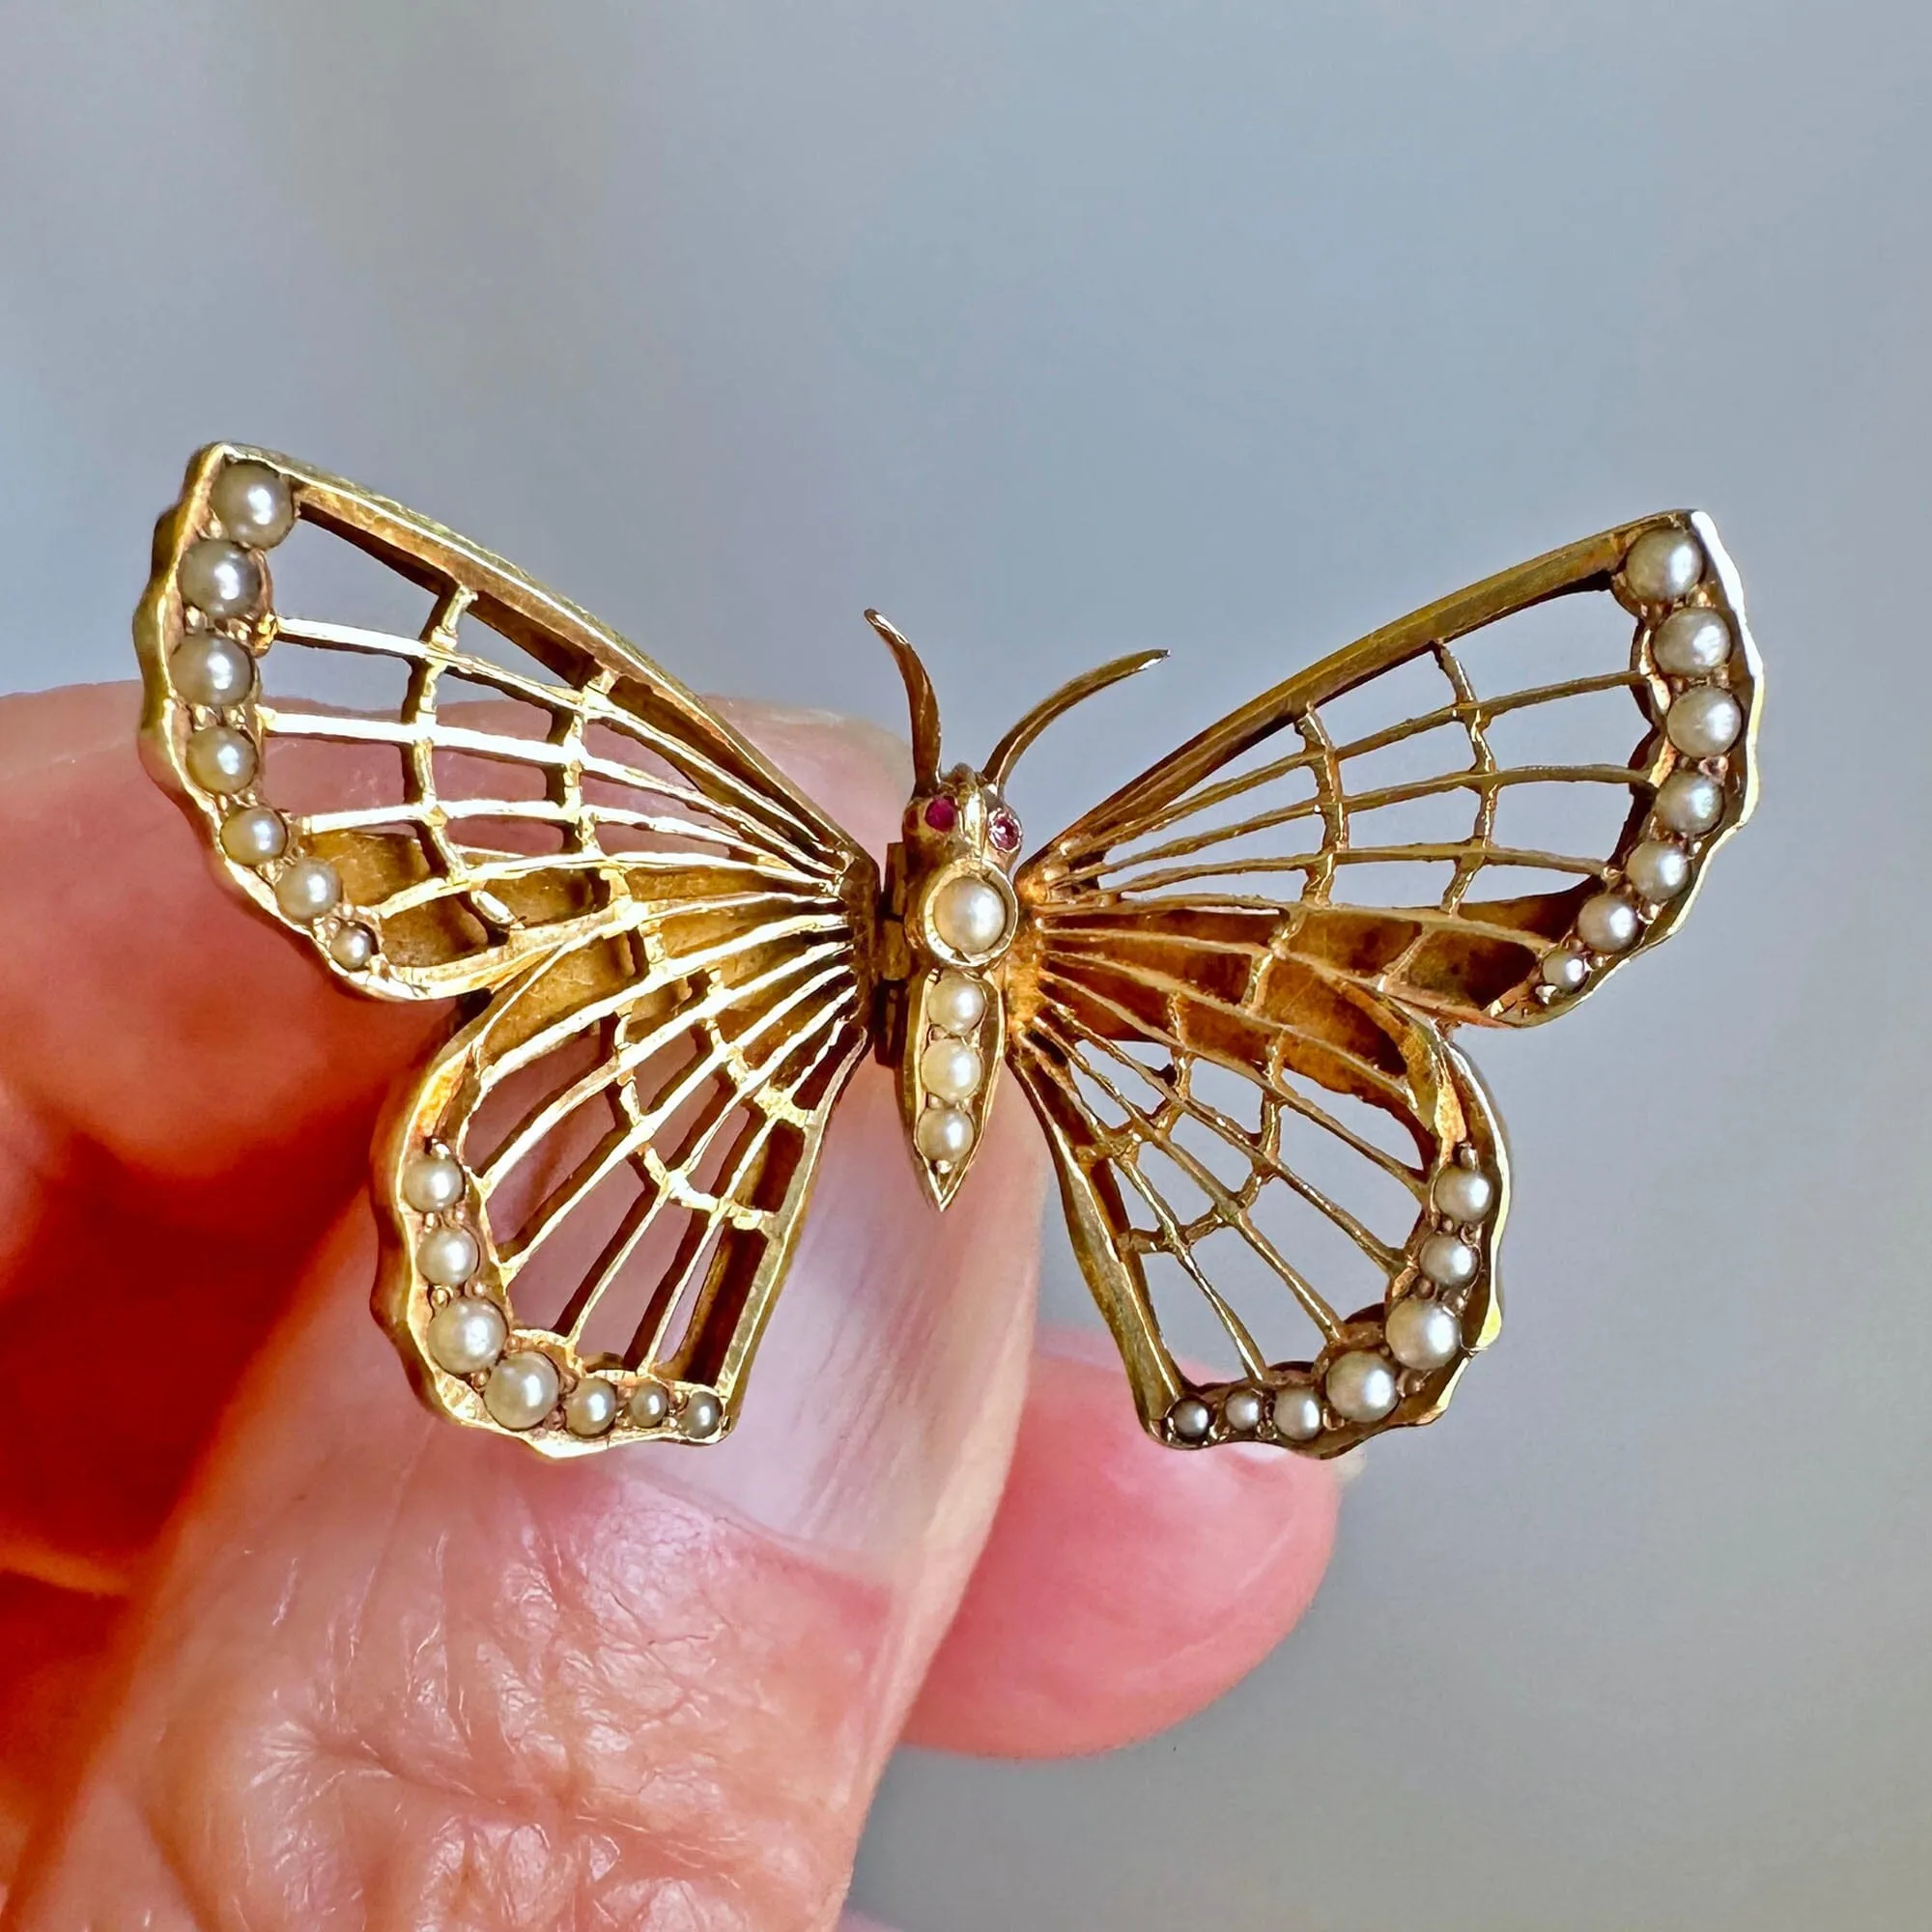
{"x":649,"y":1405}
{"x":969,"y":916}
{"x":222,"y":759}
{"x":1446,"y":1261}
{"x":1423,"y":1334}
{"x":466,"y":1334}
{"x":1704,"y":721}
{"x":1607,"y":923}
{"x":1465,"y":1194}
{"x":254,"y":836}
{"x":951,"y":1070}
{"x":254,"y":503}
{"x":1361,"y":1386}
{"x":522,"y":1389}
{"x":1691,"y":803}
{"x":591,"y":1407}
{"x":1564,"y":969}
{"x":448,"y":1256}
{"x":956,"y":1002}
{"x":944,"y":1134}
{"x":1692,"y":644}
{"x":1658,"y":871}
{"x":1664,"y":566}
{"x":1298,"y":1414}
{"x":213,"y":671}
{"x":1190,"y":1418}
{"x":220,"y":580}
{"x":1242,"y":1410}
{"x":432,"y":1182}
{"x":353,"y":947}
{"x":307,"y":889}
{"x":701,"y":1414}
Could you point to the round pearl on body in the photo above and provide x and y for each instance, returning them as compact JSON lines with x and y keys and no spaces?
{"x":1692,"y":644}
{"x":1465,"y":1194}
{"x":1564,"y":969}
{"x":1423,"y":1334}
{"x":448,"y":1257}
{"x":944,"y":1134}
{"x":254,"y":836}
{"x":700,"y":1414}
{"x":220,"y":580}
{"x":1607,"y":923}
{"x":649,"y":1405}
{"x":222,"y":759}
{"x":1447,"y":1262}
{"x":1361,"y":1386}
{"x":1690,"y":801}
{"x":522,"y":1389}
{"x":1703,"y":722}
{"x":353,"y":947}
{"x":307,"y":889}
{"x":1658,"y":869}
{"x":1242,"y":1410}
{"x":956,"y":1002}
{"x":1664,"y":566}
{"x":254,"y":503}
{"x":1298,"y":1414}
{"x":432,"y":1183}
{"x":591,"y":1407}
{"x":969,"y":916}
{"x":1190,"y":1418}
{"x":466,"y":1334}
{"x":212,"y":670}
{"x":951,"y":1070}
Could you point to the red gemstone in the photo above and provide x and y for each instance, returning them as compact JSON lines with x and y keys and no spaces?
{"x":941,"y":813}
{"x":1005,"y":832}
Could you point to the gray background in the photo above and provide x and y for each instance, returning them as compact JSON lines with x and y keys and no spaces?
{"x":1057,"y":330}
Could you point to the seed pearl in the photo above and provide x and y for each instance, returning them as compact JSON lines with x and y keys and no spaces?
{"x":1664,"y":566}
{"x":649,"y":1405}
{"x":1447,"y":1262}
{"x":951,"y":1070}
{"x":1703,"y":722}
{"x":1658,"y":871}
{"x":353,"y":947}
{"x":522,"y":1389}
{"x":254,"y":503}
{"x":1423,"y":1334}
{"x":448,"y":1256}
{"x":432,"y":1183}
{"x":466,"y":1334}
{"x":969,"y":916}
{"x":700,"y":1414}
{"x":1564,"y":970}
{"x":944,"y":1134}
{"x":1690,"y":801}
{"x":1361,"y":1386}
{"x":956,"y":1002}
{"x":1692,"y":644}
{"x":1465,"y":1194}
{"x":220,"y":580}
{"x":254,"y":836}
{"x":222,"y":759}
{"x":1298,"y":1414}
{"x":591,"y":1407}
{"x":1607,"y":923}
{"x":307,"y":889}
{"x":1190,"y":1418}
{"x":1244,"y":1410}
{"x":207,"y":669}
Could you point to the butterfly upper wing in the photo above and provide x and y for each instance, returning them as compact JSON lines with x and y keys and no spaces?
{"x":667,"y":949}
{"x":1234,"y":1064}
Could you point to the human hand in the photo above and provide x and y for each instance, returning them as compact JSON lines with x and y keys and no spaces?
{"x":279,"y":1649}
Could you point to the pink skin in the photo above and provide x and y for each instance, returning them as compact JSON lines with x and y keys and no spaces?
{"x":278,"y":1649}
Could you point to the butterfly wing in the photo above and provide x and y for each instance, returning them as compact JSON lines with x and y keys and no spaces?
{"x":666,"y":950}
{"x":1237,"y":1040}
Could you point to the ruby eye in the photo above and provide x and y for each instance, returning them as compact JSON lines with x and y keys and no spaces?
{"x":941,"y":813}
{"x":1004,"y":829}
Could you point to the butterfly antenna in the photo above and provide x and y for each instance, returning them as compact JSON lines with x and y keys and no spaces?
{"x":1005,"y":754}
{"x":920,"y":696}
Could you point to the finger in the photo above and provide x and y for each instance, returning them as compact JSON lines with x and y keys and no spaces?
{"x":1122,"y":1586}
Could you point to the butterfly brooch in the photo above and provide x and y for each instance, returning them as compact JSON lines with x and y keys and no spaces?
{"x":1227,"y":991}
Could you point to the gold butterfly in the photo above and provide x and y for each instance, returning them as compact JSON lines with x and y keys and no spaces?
{"x":670,"y":961}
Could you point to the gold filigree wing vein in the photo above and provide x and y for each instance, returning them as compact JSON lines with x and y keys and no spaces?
{"x":507,"y":776}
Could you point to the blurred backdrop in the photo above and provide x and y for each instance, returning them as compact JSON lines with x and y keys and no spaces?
{"x":1059,"y":329}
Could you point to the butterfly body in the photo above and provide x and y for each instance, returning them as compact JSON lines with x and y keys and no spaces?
{"x":666,"y":962}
